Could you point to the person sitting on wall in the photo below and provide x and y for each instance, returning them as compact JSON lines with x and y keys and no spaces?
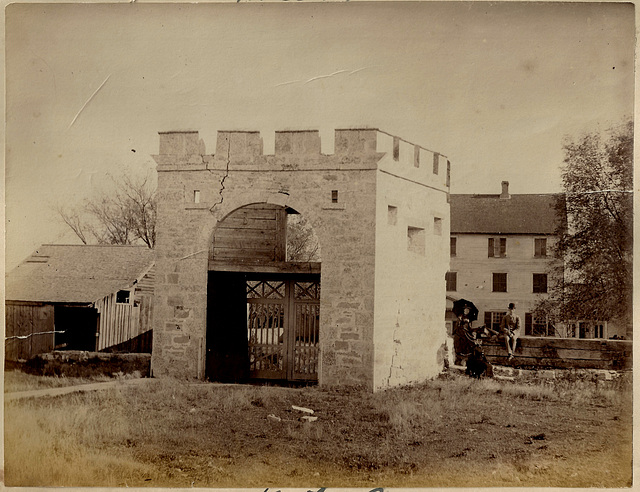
{"x":464,"y":337}
{"x":510,"y":326}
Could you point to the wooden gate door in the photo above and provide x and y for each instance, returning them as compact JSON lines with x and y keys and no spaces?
{"x":305,"y":328}
{"x":283,"y":324}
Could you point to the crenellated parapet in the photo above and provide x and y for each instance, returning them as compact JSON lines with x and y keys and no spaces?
{"x":181,"y":143}
{"x":300,"y":149}
{"x":238,"y":144}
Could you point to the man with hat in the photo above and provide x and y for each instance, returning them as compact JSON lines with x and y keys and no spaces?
{"x":510,"y":326}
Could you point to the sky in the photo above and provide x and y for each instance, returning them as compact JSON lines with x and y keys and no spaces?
{"x":494,"y":87}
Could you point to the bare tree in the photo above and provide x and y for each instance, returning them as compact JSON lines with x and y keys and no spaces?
{"x":124,"y":215}
{"x":302,"y":243}
{"x":71,"y":217}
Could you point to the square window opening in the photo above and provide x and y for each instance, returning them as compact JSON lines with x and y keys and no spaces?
{"x":497,"y":247}
{"x":540,"y":250}
{"x":416,"y":240}
{"x":539,"y":283}
{"x":437,"y":226}
{"x":392,"y":215}
{"x":123,"y":297}
{"x":499,"y":282}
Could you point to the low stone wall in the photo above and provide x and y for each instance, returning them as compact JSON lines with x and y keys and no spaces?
{"x":87,"y":364}
{"x":505,"y":373}
{"x":512,"y":373}
{"x":562,"y":353}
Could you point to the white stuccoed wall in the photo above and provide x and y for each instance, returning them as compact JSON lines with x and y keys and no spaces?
{"x":409,"y":282}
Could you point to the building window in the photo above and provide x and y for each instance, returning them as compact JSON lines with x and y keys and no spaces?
{"x":538,"y":326}
{"x":334,"y":196}
{"x":415,"y":239}
{"x":437,"y":226}
{"x":492,"y":319}
{"x":436,"y":162}
{"x":452,"y":281}
{"x":584,"y":330}
{"x":448,"y":174}
{"x":392,"y":215}
{"x":396,"y":148}
{"x":599,"y":330}
{"x":196,"y":196}
{"x":540,"y":248}
{"x":123,"y":296}
{"x":589,"y":329}
{"x":453,"y":246}
{"x":499,"y":282}
{"x":539,"y":283}
{"x":497,"y":247}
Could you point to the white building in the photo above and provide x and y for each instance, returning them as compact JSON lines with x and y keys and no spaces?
{"x":501,"y":253}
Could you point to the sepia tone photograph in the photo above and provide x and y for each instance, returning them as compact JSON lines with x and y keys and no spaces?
{"x":319,"y":245}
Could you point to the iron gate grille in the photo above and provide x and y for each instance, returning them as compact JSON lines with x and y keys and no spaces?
{"x":283,"y":320}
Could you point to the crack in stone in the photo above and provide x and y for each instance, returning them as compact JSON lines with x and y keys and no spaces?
{"x":222,"y":187}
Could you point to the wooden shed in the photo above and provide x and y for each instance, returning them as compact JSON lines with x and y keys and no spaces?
{"x":80,"y":297}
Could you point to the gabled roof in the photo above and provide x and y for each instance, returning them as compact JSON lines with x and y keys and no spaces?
{"x":490,"y":214}
{"x":76,"y":273}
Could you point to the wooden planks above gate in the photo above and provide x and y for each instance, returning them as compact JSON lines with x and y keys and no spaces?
{"x":252,"y":234}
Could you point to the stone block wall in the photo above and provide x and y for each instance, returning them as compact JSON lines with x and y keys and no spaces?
{"x":197,"y":190}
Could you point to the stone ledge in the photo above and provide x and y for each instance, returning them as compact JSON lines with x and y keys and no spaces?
{"x":504,"y":373}
{"x":76,"y":363}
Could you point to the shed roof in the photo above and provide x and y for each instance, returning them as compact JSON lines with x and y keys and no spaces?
{"x":490,"y":214}
{"x":76,"y":273}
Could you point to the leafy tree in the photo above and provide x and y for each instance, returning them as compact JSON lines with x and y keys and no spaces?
{"x":124,"y":215}
{"x":596,"y":233}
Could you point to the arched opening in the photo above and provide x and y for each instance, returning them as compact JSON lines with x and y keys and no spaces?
{"x":263,"y":297}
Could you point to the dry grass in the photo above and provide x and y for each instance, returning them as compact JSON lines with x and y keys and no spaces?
{"x":20,"y":381}
{"x":453,"y":431}
{"x":68,"y":441}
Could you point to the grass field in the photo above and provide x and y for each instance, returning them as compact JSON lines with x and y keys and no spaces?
{"x":452,"y":431}
{"x":20,"y":381}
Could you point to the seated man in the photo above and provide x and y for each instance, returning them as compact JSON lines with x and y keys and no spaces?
{"x":510,"y":327}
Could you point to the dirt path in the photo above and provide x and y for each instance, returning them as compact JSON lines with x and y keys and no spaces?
{"x":79,"y":388}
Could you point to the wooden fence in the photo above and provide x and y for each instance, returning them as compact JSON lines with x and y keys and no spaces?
{"x":29,"y":329}
{"x":562,"y":353}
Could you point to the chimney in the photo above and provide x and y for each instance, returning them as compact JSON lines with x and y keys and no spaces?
{"x":505,"y":191}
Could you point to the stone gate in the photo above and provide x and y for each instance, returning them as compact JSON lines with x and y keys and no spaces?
{"x":378,"y":206}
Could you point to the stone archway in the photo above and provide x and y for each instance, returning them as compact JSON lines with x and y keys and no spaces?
{"x":263,"y":297}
